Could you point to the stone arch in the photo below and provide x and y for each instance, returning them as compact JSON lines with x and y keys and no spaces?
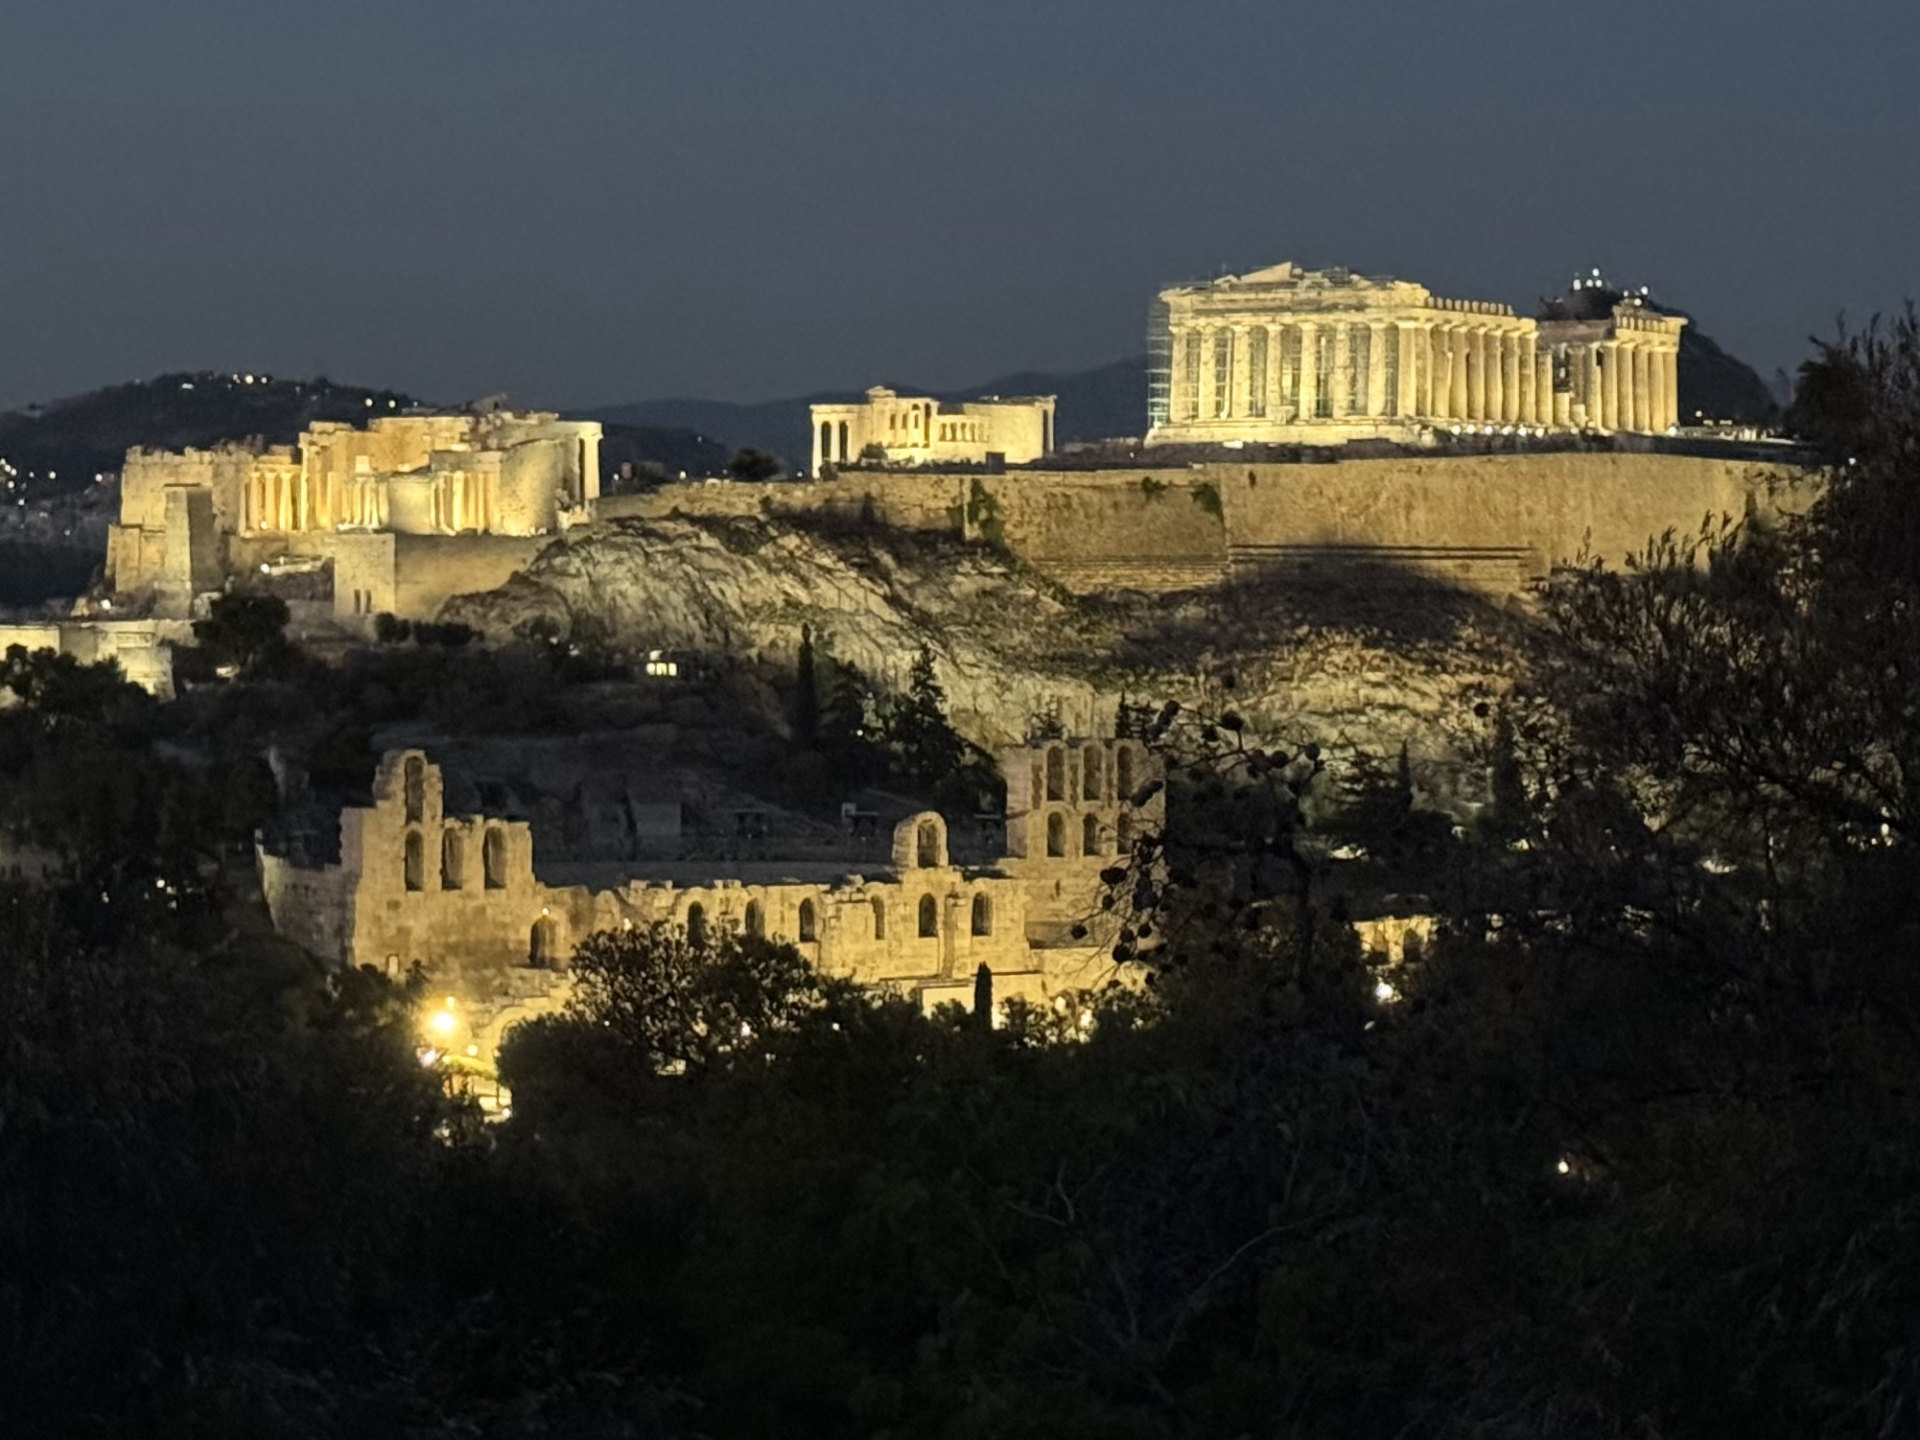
{"x":920,"y":842}
{"x":1090,"y":773}
{"x":697,"y":925}
{"x":543,"y":944}
{"x":879,"y":918}
{"x":1090,"y":835}
{"x":414,"y":788}
{"x":416,"y":862}
{"x":1056,"y":773}
{"x":453,"y":859}
{"x":493,"y":858}
{"x":982,"y":915}
{"x":1056,"y":834}
{"x":826,"y":441}
{"x":756,"y":923}
{"x":1123,"y":773}
{"x":929,"y":917}
{"x":809,"y":923}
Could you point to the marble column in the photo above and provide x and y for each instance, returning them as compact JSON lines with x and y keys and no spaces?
{"x":1308,"y":340}
{"x":1644,"y":409}
{"x":1238,"y":375}
{"x":1670,"y":385}
{"x":1457,"y":378}
{"x":1406,"y":338}
{"x":1610,"y":387}
{"x":1496,"y":381}
{"x":1378,"y":338}
{"x":1337,"y":391}
{"x":1476,"y":374}
{"x":1529,"y":374}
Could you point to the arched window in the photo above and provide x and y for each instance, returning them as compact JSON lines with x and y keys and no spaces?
{"x":493,"y":859}
{"x":696,"y":925}
{"x":416,"y":861}
{"x":809,"y":926}
{"x":1056,"y":774}
{"x":1090,"y":774}
{"x":1123,"y":773}
{"x":927,"y":845}
{"x":416,"y":788}
{"x":1123,"y":833}
{"x":879,"y":918}
{"x":1056,"y":834}
{"x":756,"y":920}
{"x":540,"y":945}
{"x":1089,"y":835}
{"x":826,"y":441}
{"x":982,"y":915}
{"x":929,"y":917}
{"x":843,"y":439}
{"x":453,"y":860}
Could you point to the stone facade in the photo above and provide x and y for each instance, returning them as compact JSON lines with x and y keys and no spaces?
{"x":459,"y":894}
{"x":914,"y":430}
{"x":1292,"y":356}
{"x":187,"y":518}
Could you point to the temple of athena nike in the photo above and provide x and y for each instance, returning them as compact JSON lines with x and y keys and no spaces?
{"x":1292,"y":356}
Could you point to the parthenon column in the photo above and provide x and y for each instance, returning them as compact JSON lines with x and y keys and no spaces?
{"x":1457,"y":339}
{"x":1610,"y":387}
{"x":1308,"y":340}
{"x":1239,"y":374}
{"x":1524,"y":363}
{"x":1476,"y":373}
{"x":1645,"y":398}
{"x":1496,"y":381}
{"x":1670,"y":386}
{"x":1379,"y":337}
{"x":1423,"y":358}
{"x":1337,"y":390}
{"x":1408,"y":401}
{"x":1439,"y":372}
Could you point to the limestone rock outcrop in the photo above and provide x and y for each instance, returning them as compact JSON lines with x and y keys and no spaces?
{"x":1352,"y":670}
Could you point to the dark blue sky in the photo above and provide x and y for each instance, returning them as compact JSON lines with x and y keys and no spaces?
{"x":589,"y":201}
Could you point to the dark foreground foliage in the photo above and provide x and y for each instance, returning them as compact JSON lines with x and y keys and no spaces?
{"x":1632,"y":1153}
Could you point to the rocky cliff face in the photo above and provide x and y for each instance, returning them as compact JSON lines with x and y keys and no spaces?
{"x":1361,"y":667}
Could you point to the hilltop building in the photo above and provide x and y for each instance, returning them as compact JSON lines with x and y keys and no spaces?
{"x":914,"y":430}
{"x":188,"y":519}
{"x":1286,"y":355}
{"x":414,"y":882}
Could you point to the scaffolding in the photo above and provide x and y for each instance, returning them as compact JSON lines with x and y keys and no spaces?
{"x":1159,"y":365}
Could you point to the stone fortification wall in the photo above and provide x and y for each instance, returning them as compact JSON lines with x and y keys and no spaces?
{"x":142,"y":648}
{"x":430,"y":570}
{"x":1488,"y":522}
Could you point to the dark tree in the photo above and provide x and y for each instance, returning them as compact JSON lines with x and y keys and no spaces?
{"x":248,"y":631}
{"x":751,"y":464}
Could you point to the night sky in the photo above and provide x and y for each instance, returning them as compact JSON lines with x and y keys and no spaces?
{"x":584,"y":202}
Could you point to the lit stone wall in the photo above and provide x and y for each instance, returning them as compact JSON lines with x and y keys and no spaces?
{"x":1075,"y":808}
{"x":459,"y":894}
{"x":143,"y":649}
{"x":917,"y":430}
{"x":1488,"y":522}
{"x":1289,"y":355}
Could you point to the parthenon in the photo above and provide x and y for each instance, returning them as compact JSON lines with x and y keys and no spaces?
{"x":1288,"y":355}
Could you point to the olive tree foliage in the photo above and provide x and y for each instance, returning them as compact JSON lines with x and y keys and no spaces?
{"x":683,"y":1002}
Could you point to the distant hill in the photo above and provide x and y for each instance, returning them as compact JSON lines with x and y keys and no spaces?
{"x":1095,"y":404}
{"x":59,"y":447}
